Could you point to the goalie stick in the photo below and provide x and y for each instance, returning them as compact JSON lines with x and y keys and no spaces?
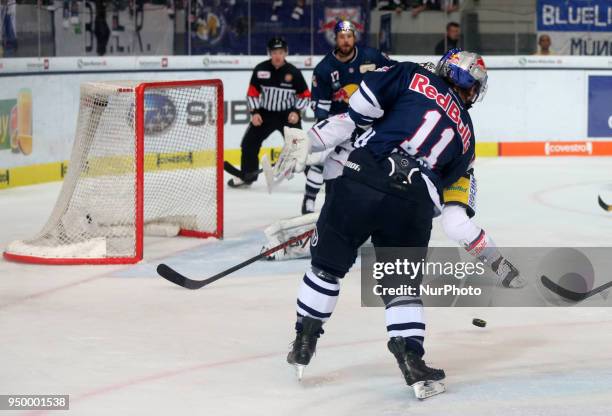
{"x":268,"y":170}
{"x":603,"y":205}
{"x":175,"y":277}
{"x":570,"y":294}
{"x":234,"y":171}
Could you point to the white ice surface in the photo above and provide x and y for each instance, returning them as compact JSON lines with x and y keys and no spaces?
{"x":122,"y":341}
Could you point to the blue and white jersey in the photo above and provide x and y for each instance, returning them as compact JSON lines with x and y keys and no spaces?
{"x":333,"y":82}
{"x":410,"y":108}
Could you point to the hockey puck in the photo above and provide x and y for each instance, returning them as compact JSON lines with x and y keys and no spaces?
{"x":479,"y":322}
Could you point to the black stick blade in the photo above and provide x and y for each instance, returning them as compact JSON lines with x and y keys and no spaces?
{"x":561,"y":291}
{"x":603,"y":205}
{"x":173,"y":276}
{"x":570,"y":294}
{"x":234,"y":171}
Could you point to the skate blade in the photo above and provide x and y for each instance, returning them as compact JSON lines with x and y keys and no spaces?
{"x":299,"y":371}
{"x":426,"y":389}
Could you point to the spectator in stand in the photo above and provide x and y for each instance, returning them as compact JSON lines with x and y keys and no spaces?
{"x":398,"y":6}
{"x":544,"y":42}
{"x":447,"y":6}
{"x":450,"y":6}
{"x":451,"y":40}
{"x":101,"y":30}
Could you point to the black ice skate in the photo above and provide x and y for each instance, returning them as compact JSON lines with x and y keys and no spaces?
{"x":238,"y":183}
{"x":240,"y":179}
{"x":425,"y":381}
{"x":305,"y":344}
{"x":509,"y":275}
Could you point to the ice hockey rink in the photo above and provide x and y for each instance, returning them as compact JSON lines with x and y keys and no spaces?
{"x":122,"y":341}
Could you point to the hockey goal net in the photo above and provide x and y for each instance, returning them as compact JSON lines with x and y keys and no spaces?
{"x":147,"y":159}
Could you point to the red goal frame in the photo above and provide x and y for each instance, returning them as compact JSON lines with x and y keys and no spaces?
{"x":139,"y":92}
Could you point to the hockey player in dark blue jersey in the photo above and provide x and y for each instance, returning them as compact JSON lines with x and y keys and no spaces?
{"x":334,"y":80}
{"x":339,"y":73}
{"x":419,"y":139}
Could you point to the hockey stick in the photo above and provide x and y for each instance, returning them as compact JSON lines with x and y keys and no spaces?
{"x":602,"y":204}
{"x":175,"y":277}
{"x":234,"y":171}
{"x":570,"y":294}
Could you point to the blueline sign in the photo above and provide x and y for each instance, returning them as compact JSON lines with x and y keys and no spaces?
{"x":577,"y":27}
{"x":600,"y":106}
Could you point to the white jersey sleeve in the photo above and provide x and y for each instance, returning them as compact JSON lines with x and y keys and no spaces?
{"x":318,"y":158}
{"x":330,"y":144}
{"x":335,"y":161}
{"x":331,"y":132}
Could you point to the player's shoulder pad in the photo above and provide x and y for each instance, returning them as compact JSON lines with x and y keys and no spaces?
{"x":410,"y":66}
{"x":373,"y":54}
{"x":422,"y":69}
{"x":399,"y":69}
{"x":369,"y":51}
{"x":325,"y":64}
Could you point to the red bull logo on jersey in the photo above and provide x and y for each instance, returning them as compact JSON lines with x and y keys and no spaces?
{"x":344,"y":93}
{"x":421,"y":83}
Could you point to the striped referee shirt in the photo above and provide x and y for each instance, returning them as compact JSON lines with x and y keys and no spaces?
{"x":283,"y":89}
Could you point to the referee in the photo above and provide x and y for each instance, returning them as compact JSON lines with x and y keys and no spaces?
{"x":276,"y":97}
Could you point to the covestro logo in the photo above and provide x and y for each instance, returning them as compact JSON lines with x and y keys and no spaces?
{"x":568,"y":148}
